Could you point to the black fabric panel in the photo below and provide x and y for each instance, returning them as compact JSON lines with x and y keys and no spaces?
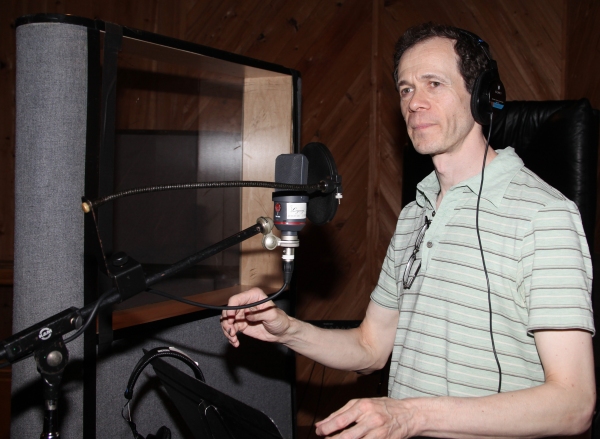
{"x":256,"y":373}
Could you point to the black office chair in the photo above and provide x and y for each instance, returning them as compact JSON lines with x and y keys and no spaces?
{"x":558,"y":140}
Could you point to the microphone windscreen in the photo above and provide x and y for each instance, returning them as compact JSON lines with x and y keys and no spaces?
{"x":291,"y":169}
{"x":321,"y":207}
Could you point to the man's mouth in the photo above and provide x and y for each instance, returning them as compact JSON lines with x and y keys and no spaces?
{"x":421,"y":126}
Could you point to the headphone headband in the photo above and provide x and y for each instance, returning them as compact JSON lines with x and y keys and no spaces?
{"x":478,"y":40}
{"x":488,"y":96}
{"x":149,"y":356}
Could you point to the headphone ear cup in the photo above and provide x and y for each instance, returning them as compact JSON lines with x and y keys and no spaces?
{"x":480,"y":105}
{"x":162,"y":433}
{"x":488,"y":96}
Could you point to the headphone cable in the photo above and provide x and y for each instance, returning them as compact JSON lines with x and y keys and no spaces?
{"x":487,"y":278}
{"x":215,"y":307}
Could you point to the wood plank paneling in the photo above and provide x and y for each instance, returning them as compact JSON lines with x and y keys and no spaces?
{"x":343,"y":49}
{"x":582,"y":62}
{"x":5,"y":375}
{"x":7,"y":130}
{"x":583,"y":51}
{"x":267,"y":131}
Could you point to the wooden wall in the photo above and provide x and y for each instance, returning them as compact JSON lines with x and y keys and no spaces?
{"x":582,"y":64}
{"x":343,"y":49}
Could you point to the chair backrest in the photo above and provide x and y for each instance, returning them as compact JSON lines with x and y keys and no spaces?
{"x":558,"y":140}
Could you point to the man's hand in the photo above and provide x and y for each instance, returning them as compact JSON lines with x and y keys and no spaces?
{"x":264,"y":322}
{"x":369,"y":418}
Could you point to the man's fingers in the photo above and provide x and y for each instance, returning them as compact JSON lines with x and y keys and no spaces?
{"x":336,"y":424}
{"x":344,"y":408}
{"x":234,"y":321}
{"x":231,"y":335}
{"x":339,"y":420}
{"x":263,"y":322}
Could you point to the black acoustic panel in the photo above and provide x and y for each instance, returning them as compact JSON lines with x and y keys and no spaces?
{"x":51,"y":115}
{"x":256,"y":373}
{"x":209,"y":412}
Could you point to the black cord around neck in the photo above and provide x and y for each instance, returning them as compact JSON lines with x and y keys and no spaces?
{"x":487,"y":278}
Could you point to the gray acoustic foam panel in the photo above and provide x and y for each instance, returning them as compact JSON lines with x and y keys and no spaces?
{"x":51,"y":112}
{"x":256,"y":373}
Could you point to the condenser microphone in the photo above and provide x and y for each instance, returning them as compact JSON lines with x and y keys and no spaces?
{"x":289,"y":214}
{"x":289,"y":207}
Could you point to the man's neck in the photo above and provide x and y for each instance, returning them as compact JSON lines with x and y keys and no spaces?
{"x":460,"y":164}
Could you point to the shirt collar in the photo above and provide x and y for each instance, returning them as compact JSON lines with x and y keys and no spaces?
{"x":498,"y":175}
{"x":427,"y":190}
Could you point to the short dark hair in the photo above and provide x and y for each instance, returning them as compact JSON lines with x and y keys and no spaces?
{"x":472,"y":58}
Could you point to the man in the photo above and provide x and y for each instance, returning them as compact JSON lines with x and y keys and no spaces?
{"x":435,"y":321}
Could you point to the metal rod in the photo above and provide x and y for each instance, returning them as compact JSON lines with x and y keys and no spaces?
{"x":204,"y":254}
{"x":88,"y":205}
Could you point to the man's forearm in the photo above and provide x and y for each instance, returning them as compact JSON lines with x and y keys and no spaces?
{"x":546,"y":410}
{"x":343,"y":349}
{"x":562,"y":406}
{"x":364,"y":349}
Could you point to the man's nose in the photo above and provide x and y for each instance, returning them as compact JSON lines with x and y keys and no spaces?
{"x":418,"y":100}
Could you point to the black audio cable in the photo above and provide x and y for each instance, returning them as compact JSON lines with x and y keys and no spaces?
{"x":218,"y":307}
{"x":487,"y":278}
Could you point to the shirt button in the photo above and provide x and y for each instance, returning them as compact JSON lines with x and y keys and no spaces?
{"x":429,"y":244}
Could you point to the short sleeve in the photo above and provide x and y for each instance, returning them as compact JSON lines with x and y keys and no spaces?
{"x":557,"y":270}
{"x":386,"y":292}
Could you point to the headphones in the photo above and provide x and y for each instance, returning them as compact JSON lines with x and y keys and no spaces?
{"x":163,"y":432}
{"x":487,"y":99}
{"x":489,"y":95}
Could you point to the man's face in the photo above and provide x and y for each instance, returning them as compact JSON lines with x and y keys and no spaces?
{"x":433,"y":98}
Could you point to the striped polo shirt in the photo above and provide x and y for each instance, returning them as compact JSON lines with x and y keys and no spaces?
{"x":540,"y":276}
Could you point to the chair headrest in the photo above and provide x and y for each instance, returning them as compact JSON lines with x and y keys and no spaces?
{"x":558,"y":140}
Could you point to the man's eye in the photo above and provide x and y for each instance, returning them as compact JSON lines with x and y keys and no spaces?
{"x":405,"y":91}
{"x":435,"y":83}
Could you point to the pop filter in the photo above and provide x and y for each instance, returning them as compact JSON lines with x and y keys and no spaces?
{"x":321,"y":166}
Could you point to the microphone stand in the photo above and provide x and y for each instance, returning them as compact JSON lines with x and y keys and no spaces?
{"x":51,"y":360}
{"x":45,"y":339}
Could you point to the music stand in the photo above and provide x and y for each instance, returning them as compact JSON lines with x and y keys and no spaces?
{"x":211,"y":414}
